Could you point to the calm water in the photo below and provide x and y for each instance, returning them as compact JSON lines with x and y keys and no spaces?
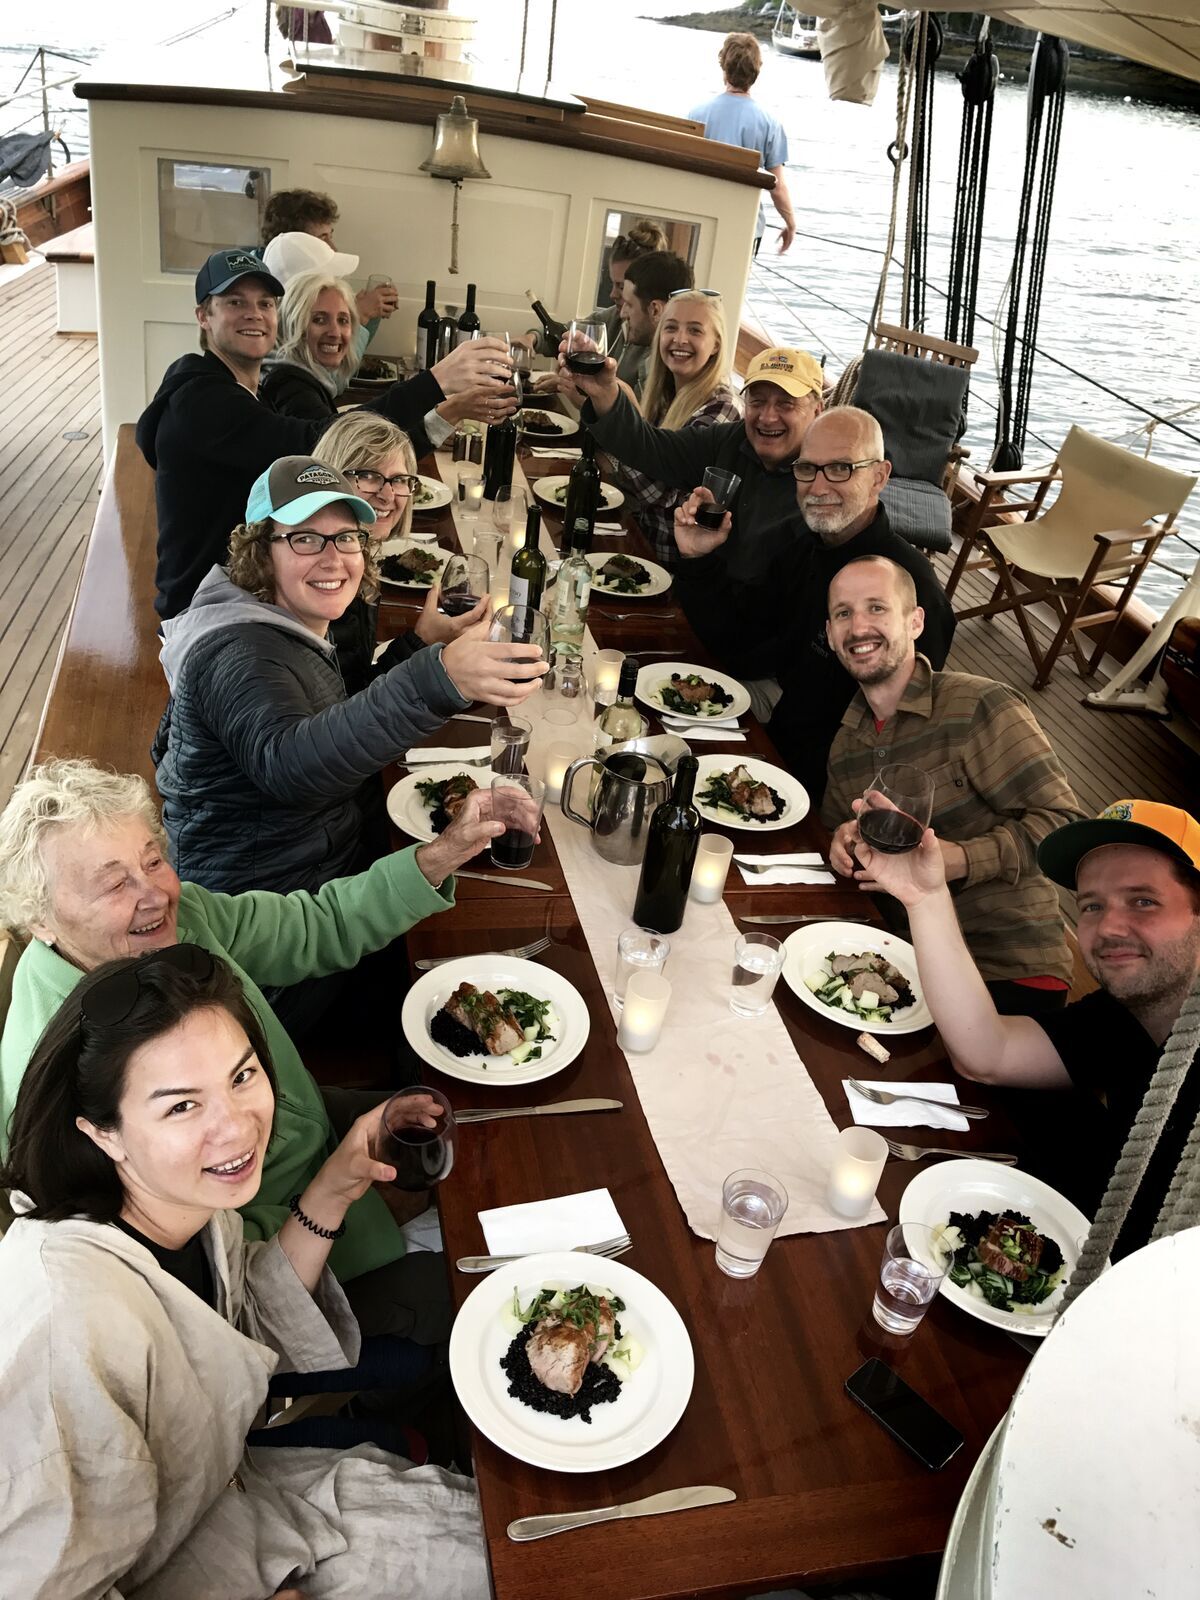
{"x":1122,"y":279}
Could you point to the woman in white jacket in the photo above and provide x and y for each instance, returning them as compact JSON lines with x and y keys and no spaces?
{"x":140,"y":1330}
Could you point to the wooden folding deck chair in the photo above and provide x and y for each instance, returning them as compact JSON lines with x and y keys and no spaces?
{"x":1089,"y":537}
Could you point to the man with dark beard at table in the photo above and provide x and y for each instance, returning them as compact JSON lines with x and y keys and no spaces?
{"x":774,"y":627}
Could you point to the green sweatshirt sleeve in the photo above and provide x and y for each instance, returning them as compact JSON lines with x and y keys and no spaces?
{"x":281,"y":939}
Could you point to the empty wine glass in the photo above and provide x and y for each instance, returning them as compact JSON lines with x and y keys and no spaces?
{"x":521,"y":625}
{"x":587,"y":348}
{"x":465,"y":581}
{"x":416,"y":1135}
{"x":896,"y":809}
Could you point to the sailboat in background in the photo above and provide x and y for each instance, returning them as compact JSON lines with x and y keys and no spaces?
{"x":794,"y":35}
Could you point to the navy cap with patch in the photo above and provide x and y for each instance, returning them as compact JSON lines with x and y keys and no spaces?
{"x":223,"y":269}
{"x":296,"y":486}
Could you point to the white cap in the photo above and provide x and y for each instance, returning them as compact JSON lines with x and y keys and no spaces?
{"x":290,"y":254}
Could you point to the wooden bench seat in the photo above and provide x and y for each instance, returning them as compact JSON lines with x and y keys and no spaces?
{"x":78,"y":245}
{"x":73,"y":257}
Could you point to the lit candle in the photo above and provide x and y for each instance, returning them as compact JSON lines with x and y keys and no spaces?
{"x":558,"y":758}
{"x":713,"y":856}
{"x":854,"y":1176}
{"x":647,"y":995}
{"x":608,"y":671}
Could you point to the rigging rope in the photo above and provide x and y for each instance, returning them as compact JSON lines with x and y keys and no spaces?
{"x":896,"y":153}
{"x":978,"y":79}
{"x":925,"y":36}
{"x":1047,"y":89}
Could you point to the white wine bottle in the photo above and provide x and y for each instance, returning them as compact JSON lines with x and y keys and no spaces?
{"x":622,"y":720}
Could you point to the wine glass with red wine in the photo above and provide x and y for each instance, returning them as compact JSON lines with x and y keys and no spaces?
{"x":417,"y":1134}
{"x":464,"y":584}
{"x":587,"y":348}
{"x":896,"y":809}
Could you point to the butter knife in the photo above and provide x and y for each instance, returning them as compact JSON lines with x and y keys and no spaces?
{"x":783,"y":916}
{"x":515,"y":883}
{"x":554,"y":1109}
{"x":654,"y":1505}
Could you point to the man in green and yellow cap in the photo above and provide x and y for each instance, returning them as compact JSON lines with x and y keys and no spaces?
{"x":1135,"y":870}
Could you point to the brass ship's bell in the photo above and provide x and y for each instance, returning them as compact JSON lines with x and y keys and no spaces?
{"x":455,"y":152}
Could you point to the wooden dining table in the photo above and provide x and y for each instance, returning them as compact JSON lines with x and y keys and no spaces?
{"x":824,"y":1495}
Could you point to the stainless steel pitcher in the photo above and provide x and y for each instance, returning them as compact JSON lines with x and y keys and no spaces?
{"x":629,"y":784}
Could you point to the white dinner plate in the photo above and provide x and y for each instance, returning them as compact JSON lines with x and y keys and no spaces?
{"x":651,"y":679}
{"x":406,"y":807}
{"x":432,"y":989}
{"x":974,"y":1186}
{"x":395,"y":547}
{"x":793,"y":793}
{"x":566,"y":425}
{"x":651,"y":1401}
{"x":658,"y":581}
{"x":546,"y":489}
{"x":432,"y":494}
{"x":805,"y":952}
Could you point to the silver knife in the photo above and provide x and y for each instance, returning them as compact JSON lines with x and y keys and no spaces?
{"x":653,"y":1506}
{"x":469,"y":716}
{"x":783,"y":916}
{"x":516,"y":883}
{"x":554,"y":1109}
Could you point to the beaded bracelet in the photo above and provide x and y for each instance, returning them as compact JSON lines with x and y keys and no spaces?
{"x":313,"y":1227}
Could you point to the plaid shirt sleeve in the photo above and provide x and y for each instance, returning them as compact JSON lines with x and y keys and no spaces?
{"x":719,"y":407}
{"x":1016,"y":773}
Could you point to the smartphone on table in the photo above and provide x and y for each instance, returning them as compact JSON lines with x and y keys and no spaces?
{"x":909,"y":1419}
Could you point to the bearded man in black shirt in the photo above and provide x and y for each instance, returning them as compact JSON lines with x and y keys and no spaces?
{"x":1135,"y":871}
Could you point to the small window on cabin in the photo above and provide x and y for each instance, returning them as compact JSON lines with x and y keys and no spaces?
{"x":204,"y":206}
{"x":681,"y":239}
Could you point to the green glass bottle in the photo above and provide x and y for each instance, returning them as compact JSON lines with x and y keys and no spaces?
{"x":529,"y":566}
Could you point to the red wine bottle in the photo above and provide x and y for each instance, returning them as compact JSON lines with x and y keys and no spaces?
{"x":428,"y":324}
{"x":498,"y":460}
{"x":553,"y":329}
{"x":583,"y":497}
{"x":673,"y":836}
{"x":468,"y":323}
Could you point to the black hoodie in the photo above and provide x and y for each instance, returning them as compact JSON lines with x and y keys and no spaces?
{"x":208,"y":439}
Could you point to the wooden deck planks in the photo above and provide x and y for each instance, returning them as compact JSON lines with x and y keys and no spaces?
{"x":49,"y":489}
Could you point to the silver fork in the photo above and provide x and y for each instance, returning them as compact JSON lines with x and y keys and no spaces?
{"x":918,"y":1152}
{"x":523,"y":952}
{"x":884,"y":1097}
{"x":623,"y":616}
{"x":415,"y":766}
{"x":609,"y":1248}
{"x":786,"y":861}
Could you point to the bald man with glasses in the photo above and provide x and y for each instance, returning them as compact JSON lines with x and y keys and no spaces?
{"x":774,"y":628}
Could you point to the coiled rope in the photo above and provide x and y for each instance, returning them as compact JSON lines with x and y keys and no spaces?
{"x":1181,"y":1206}
{"x":10,"y":230}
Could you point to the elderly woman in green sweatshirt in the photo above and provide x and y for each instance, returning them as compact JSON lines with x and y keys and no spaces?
{"x":84,"y":871}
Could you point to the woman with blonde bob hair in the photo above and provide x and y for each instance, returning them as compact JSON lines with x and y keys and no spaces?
{"x":317,"y":355}
{"x":687,"y":386}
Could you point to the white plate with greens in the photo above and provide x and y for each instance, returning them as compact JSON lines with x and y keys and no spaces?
{"x":790,"y":796}
{"x":566,"y":1019}
{"x":973,"y":1189}
{"x":807,"y":969}
{"x":655,"y":689}
{"x":633,"y":578}
{"x":431,"y":495}
{"x":553,"y":490}
{"x":651,"y":1400}
{"x":400,"y":547}
{"x":412,"y":810}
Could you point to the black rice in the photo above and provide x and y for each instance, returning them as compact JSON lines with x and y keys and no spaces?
{"x":452,"y":1035}
{"x":599,"y":1386}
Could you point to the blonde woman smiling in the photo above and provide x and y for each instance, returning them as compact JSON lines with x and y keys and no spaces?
{"x":687,"y":386}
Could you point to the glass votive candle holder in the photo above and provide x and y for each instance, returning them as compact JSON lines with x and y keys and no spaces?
{"x":638,"y":951}
{"x":607,"y":672}
{"x":854,"y":1176}
{"x":558,"y":758}
{"x":647,"y":996}
{"x":713,"y":855}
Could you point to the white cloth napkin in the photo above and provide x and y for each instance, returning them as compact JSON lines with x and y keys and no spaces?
{"x":906,"y":1113}
{"x":724,"y":732}
{"x":609,"y":527}
{"x":559,"y":1224}
{"x":469,"y":752}
{"x":558,"y":450}
{"x":804,"y":867}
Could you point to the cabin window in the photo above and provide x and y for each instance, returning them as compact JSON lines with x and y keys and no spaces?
{"x":682,"y":240}
{"x":205,"y":206}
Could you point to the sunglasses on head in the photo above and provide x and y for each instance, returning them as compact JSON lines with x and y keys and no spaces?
{"x":709,"y":294}
{"x":114,"y":997}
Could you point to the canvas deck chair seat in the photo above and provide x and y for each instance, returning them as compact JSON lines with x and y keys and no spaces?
{"x":1098,"y":536}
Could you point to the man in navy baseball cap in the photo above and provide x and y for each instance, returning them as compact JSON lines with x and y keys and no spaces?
{"x":224,"y":268}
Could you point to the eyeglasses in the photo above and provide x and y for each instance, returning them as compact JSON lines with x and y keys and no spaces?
{"x":114,"y":997}
{"x":400,"y":483}
{"x":835,"y":471}
{"x":350,"y":541}
{"x":709,"y":294}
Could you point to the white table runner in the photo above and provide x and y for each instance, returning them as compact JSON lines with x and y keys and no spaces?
{"x":719,"y":1092}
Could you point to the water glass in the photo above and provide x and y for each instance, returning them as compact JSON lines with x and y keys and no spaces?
{"x":485,"y":543}
{"x":752,"y":1207}
{"x":422,"y":1156}
{"x":509,"y":510}
{"x":520,"y":625}
{"x":757,"y":963}
{"x":638,"y":951}
{"x":510,"y":744}
{"x":907,"y":1280}
{"x":517,"y":801}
